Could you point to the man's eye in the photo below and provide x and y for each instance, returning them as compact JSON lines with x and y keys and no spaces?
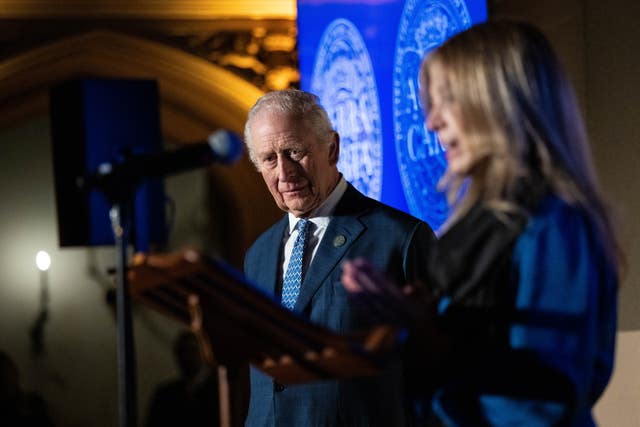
{"x":296,"y":154}
{"x":268,"y":160}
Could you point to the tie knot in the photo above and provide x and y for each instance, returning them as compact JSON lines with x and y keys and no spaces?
{"x":302,"y":225}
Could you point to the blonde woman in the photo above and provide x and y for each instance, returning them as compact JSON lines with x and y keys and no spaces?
{"x":516,"y":322}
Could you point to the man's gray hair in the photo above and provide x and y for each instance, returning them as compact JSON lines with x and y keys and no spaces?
{"x":297,"y":104}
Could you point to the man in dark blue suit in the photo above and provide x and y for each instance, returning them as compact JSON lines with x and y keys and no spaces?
{"x":293,"y":145}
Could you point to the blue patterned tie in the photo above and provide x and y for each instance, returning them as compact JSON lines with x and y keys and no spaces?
{"x":293,"y":276}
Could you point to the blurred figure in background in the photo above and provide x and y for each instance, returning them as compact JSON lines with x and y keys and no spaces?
{"x":192,"y":399}
{"x":17,"y":407}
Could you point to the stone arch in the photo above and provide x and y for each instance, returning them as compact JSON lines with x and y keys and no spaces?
{"x":189,"y":85}
{"x":196,"y":96}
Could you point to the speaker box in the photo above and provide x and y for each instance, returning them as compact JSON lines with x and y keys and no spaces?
{"x":98,"y":121}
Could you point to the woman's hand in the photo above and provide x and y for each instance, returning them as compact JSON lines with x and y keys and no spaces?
{"x":386,"y":300}
{"x":427,"y":348}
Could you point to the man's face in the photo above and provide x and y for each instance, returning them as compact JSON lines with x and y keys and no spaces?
{"x":298,"y":167}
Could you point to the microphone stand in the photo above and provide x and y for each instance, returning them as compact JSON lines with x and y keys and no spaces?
{"x":118,"y":184}
{"x":120,"y":215}
{"x":120,"y":193}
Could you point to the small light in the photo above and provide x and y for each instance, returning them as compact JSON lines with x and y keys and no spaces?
{"x":43,"y":260}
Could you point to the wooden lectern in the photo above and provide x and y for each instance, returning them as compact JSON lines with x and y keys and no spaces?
{"x":239,"y":324}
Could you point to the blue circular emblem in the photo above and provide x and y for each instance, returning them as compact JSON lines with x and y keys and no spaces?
{"x":424,"y":25}
{"x":344,"y":81}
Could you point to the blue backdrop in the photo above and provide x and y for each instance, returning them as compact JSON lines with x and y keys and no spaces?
{"x":361,"y":57}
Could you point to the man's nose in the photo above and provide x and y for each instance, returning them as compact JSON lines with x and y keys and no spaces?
{"x":286,"y":168}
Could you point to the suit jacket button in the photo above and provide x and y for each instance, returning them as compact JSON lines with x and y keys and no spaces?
{"x":277,"y":387}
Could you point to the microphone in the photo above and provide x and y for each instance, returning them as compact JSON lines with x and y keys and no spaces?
{"x":220,"y":147}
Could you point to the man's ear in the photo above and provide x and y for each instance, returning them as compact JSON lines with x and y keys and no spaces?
{"x":334,"y":148}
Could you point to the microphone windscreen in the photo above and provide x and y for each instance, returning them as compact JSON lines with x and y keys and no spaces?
{"x":226,"y":146}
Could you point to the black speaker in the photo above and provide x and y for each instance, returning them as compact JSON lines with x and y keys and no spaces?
{"x":96,"y":122}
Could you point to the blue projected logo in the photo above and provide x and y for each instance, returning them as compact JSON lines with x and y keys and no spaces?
{"x":424,"y":25}
{"x":343,"y":79}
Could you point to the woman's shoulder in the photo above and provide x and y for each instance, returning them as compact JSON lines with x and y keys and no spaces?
{"x":557,"y":228}
{"x":554,"y":214}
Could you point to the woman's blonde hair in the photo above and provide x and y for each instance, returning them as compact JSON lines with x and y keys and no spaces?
{"x":521,"y":118}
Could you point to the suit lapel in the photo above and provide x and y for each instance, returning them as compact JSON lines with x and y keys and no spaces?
{"x":270,"y":257}
{"x":343,"y":230}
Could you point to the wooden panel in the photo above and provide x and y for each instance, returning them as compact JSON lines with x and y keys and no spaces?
{"x":157,"y":9}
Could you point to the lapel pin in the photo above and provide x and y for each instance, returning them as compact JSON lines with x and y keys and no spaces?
{"x":339,"y":240}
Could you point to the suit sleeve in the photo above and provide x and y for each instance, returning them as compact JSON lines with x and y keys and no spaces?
{"x":420,"y":242}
